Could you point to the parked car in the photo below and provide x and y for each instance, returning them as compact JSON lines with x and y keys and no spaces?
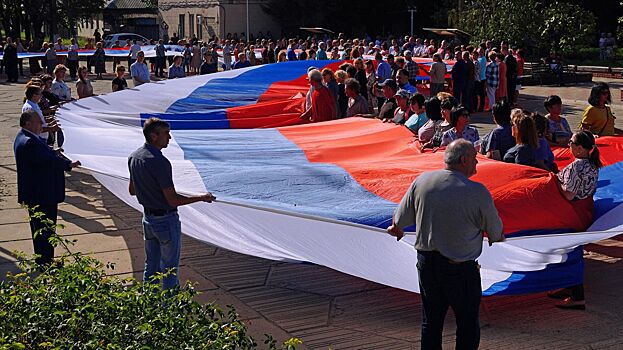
{"x":109,"y":40}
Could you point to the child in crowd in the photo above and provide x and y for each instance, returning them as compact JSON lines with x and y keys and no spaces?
{"x":578,"y":181}
{"x":119,"y":83}
{"x":544,"y":155}
{"x":497,"y":142}
{"x":559,"y":131}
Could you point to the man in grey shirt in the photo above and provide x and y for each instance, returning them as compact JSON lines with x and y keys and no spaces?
{"x":450,"y":213}
{"x":151,"y":180}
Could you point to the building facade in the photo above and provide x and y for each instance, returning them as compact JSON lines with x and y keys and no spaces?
{"x":188,"y":18}
{"x":207,"y":18}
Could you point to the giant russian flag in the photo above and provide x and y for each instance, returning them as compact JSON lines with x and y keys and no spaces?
{"x":324,"y":193}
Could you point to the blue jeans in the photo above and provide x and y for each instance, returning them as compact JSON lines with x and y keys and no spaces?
{"x":163,"y":240}
{"x":444,"y":284}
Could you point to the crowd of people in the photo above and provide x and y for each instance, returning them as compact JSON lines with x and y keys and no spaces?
{"x":385,"y":85}
{"x":448,"y":247}
{"x":476,"y":74}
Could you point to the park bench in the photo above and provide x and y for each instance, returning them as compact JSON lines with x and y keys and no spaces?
{"x":541,"y":73}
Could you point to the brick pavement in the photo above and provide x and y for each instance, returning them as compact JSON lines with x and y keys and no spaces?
{"x":325,"y":308}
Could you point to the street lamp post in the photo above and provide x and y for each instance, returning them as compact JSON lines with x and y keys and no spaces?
{"x":412,"y":10}
{"x":248,"y":34}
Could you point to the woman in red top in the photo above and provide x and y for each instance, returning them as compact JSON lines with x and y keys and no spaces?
{"x":323,"y":106}
{"x":501,"y":92}
{"x":520,"y":63}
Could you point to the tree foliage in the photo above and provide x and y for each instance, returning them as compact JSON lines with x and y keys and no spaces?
{"x":29,"y":16}
{"x":73,"y":304}
{"x":529,"y":23}
{"x":567,"y":27}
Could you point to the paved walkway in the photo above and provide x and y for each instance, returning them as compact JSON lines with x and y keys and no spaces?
{"x":325,"y":308}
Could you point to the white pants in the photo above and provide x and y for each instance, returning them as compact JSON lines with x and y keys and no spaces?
{"x":227,"y":61}
{"x":491,"y":95}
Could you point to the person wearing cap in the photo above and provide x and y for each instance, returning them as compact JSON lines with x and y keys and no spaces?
{"x":357,"y":104}
{"x":387,"y":109}
{"x":400,"y":114}
{"x":411,"y":67}
{"x":402,"y":79}
{"x":323,"y":105}
{"x":383,"y":72}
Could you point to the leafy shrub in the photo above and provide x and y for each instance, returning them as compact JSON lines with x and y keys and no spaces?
{"x":73,"y":304}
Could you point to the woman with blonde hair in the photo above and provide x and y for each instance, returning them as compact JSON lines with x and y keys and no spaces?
{"x":282,"y":57}
{"x":342,"y":99}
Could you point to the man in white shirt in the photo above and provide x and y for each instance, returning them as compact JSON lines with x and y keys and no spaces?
{"x":140,"y":72}
{"x":134,"y":49}
{"x":33,"y":96}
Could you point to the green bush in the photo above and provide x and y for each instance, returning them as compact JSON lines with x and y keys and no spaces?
{"x":73,"y":304}
{"x":585,"y":53}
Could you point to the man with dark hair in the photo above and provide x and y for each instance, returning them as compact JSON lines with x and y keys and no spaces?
{"x":499,"y":140}
{"x":402,"y":79}
{"x":40,"y":182}
{"x":448,"y":245}
{"x":151,"y":180}
{"x":411,"y":67}
{"x":161,"y":53}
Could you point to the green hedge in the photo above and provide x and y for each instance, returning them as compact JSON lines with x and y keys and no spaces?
{"x":73,"y":304}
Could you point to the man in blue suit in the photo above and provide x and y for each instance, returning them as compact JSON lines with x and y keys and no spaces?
{"x":40,"y":181}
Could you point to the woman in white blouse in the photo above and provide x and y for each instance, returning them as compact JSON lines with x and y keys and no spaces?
{"x":59,"y":87}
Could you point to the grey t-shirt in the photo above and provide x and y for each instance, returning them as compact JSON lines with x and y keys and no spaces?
{"x":450,"y":213}
{"x":150,"y":172}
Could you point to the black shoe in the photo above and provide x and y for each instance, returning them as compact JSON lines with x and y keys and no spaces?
{"x":559,"y":294}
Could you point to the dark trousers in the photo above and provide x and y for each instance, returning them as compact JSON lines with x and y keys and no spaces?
{"x":444,"y":284}
{"x":468,"y":95}
{"x":20,"y":63}
{"x":160,"y":62}
{"x":511,"y":85}
{"x":41,"y":232}
{"x":73,"y":68}
{"x":457,"y":91}
{"x":130,"y":62}
{"x":577,"y":292}
{"x":479,"y":96}
{"x":436,"y":88}
{"x":11,"y":71}
{"x":89,"y":63}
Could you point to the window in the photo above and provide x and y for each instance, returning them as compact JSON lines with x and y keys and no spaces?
{"x":181,"y":26}
{"x":191,"y":24}
{"x":200,"y":26}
